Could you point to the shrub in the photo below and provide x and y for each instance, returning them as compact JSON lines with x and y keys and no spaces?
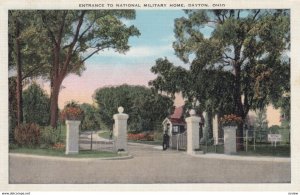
{"x":49,"y":136}
{"x":59,"y":146}
{"x":274,"y":129}
{"x":157,"y":135}
{"x":36,"y":105}
{"x":27,"y":135}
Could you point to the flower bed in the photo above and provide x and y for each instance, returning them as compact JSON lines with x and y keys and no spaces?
{"x":72,"y":111}
{"x":140,"y":137}
{"x":231,"y":120}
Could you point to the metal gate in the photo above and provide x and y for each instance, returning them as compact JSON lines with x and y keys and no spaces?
{"x":179,"y":141}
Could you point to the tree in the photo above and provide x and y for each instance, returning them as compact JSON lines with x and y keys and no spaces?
{"x":77,"y":35}
{"x":12,"y":106}
{"x":261,"y":122}
{"x":16,"y":55}
{"x":24,"y":58}
{"x":252,"y":45}
{"x":203,"y":89}
{"x":91,"y":119}
{"x":36,"y":105}
{"x":145,"y":108}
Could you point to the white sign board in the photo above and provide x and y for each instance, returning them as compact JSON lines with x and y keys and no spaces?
{"x":274,"y":137}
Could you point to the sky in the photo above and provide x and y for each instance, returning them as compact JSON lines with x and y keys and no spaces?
{"x":111,"y":68}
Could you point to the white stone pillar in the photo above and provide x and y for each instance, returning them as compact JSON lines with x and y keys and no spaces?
{"x":216,"y":129}
{"x":72,"y":137}
{"x":120,"y":130}
{"x":192,"y":132}
{"x":229,"y":139}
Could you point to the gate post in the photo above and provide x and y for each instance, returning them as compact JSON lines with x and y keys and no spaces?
{"x":72,"y":137}
{"x":192,"y":132}
{"x":120,"y":130}
{"x":216,"y":130}
{"x":230,"y":139}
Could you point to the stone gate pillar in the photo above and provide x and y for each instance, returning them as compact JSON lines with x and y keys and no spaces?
{"x":216,"y":129}
{"x":120,"y":130}
{"x":192,"y":132}
{"x":230,"y":139}
{"x":72,"y":137}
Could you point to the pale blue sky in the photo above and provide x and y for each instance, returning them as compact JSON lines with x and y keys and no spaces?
{"x":156,"y":28}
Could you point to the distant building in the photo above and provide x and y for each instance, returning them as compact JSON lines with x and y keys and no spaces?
{"x":175,"y":123}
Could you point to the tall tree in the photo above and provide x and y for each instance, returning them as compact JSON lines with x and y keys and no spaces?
{"x":15,"y":32}
{"x":250,"y":44}
{"x":203,"y":89}
{"x":27,"y":57}
{"x":75,"y":36}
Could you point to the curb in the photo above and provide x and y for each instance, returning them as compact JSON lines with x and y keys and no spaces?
{"x":68,"y":158}
{"x":242,"y":158}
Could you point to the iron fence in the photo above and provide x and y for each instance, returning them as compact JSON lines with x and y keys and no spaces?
{"x":88,"y":141}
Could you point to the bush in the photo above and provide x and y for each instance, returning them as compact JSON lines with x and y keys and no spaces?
{"x":274,"y":129}
{"x":49,"y":136}
{"x":59,"y":146}
{"x":36,"y":105}
{"x":27,"y":135}
{"x":157,"y":135}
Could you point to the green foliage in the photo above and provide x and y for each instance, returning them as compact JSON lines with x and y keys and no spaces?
{"x":158,"y":135}
{"x":27,"y":135}
{"x":251,"y":45}
{"x":144,"y":107}
{"x":35,"y":58}
{"x":12,"y":107}
{"x":69,"y":38}
{"x":274,"y":129}
{"x":284,"y":103}
{"x":91,"y":120}
{"x":36,"y":105}
{"x":261,"y":122}
{"x":50,"y":136}
{"x":242,"y":64}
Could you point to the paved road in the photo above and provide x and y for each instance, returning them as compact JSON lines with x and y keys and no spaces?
{"x":148,"y":166}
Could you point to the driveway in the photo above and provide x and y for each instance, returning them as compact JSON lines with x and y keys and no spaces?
{"x":150,"y":165}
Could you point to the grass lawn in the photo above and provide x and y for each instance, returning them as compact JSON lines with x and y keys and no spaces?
{"x":260,"y":150}
{"x":61,"y":153}
{"x":104,"y":134}
{"x":155,"y":142}
{"x":267,"y":150}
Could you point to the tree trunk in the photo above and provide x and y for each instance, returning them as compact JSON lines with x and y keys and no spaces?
{"x":19,"y":73}
{"x":54,"y":103}
{"x":239,"y":110}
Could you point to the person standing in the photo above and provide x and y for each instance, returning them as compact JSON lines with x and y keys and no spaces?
{"x":166,"y":141}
